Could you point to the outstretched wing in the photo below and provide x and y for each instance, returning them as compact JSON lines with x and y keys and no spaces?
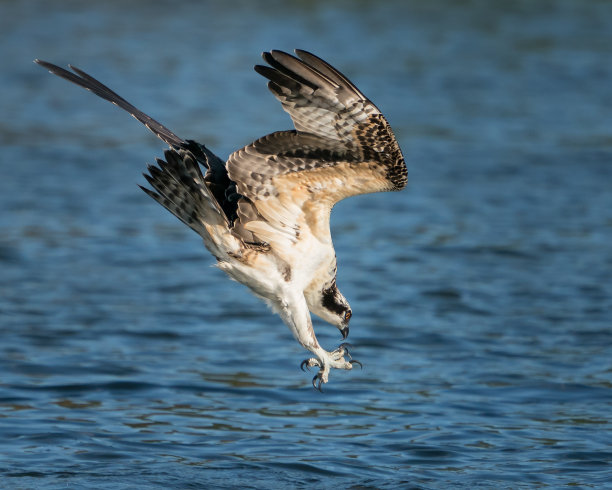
{"x":342,"y":146}
{"x":79,"y":77}
{"x":215,"y":178}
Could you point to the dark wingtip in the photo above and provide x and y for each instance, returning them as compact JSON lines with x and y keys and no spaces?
{"x":300,"y":51}
{"x":44,"y":64}
{"x":267,"y":57}
{"x":77,"y":71}
{"x":261,"y":69}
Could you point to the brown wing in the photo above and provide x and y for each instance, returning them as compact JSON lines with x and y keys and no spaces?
{"x":343,"y":146}
{"x":79,"y":77}
{"x":215,"y":180}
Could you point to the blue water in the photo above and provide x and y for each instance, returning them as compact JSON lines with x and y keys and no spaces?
{"x":482,"y":295}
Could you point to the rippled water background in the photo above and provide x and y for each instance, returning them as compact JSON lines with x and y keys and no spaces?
{"x":482,"y":295}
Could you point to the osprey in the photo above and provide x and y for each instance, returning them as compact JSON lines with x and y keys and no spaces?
{"x":264,"y":214}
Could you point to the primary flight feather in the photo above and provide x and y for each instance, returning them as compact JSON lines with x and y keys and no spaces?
{"x":264,"y":214}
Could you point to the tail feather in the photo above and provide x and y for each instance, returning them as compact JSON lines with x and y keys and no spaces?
{"x":179,"y":186}
{"x":179,"y":201}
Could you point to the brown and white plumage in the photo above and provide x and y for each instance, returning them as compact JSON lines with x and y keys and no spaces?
{"x":264,"y":214}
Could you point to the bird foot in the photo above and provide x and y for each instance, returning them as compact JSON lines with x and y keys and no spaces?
{"x":328,"y":360}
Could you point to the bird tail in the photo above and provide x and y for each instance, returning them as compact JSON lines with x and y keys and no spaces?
{"x":179,"y":186}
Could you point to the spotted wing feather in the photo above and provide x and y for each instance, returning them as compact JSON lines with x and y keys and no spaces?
{"x":342,"y":146}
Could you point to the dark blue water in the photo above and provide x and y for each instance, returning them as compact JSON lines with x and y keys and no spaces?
{"x":482,"y":295}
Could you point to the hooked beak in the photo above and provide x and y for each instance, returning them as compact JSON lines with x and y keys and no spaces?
{"x":344,"y":331}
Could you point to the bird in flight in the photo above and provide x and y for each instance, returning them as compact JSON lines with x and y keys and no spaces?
{"x":264,"y":214}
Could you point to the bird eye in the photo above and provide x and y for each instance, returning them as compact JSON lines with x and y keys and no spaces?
{"x":347,"y":316}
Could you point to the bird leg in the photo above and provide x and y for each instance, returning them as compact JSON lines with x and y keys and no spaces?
{"x":293,"y":309}
{"x":327,"y":360}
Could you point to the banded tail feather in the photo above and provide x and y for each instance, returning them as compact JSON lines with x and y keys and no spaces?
{"x":178,"y":185}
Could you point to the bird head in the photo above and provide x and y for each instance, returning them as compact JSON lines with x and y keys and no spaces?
{"x":333,"y":307}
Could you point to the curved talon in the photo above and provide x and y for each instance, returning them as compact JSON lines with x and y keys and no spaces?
{"x":345,"y":347}
{"x":327,"y":360}
{"x":354,"y":361}
{"x":312,"y":362}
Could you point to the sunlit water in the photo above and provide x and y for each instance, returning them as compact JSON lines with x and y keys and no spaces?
{"x":482,"y":295}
